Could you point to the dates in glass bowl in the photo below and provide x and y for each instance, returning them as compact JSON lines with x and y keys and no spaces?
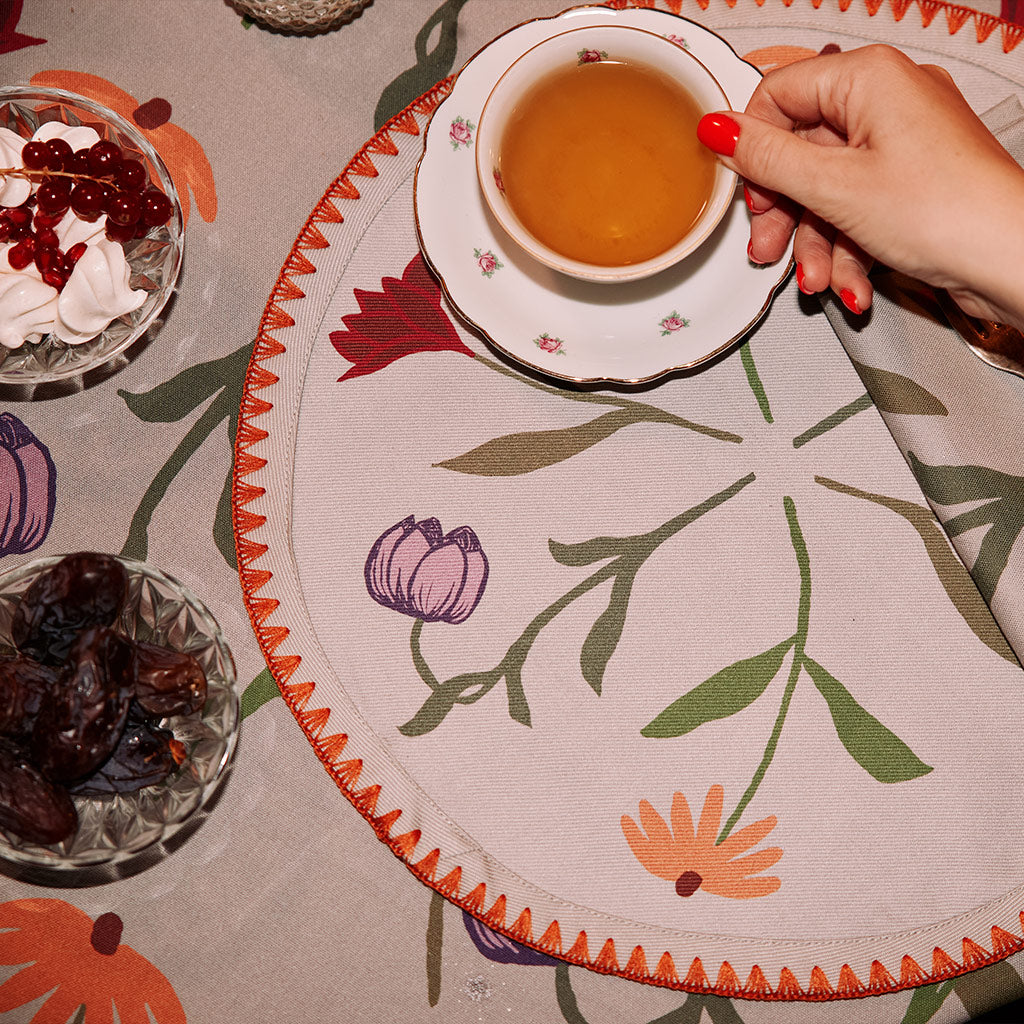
{"x":118,"y":707}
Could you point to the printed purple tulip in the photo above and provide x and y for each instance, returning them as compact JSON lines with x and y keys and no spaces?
{"x":28,"y":488}
{"x":500,"y":949}
{"x":418,"y":570}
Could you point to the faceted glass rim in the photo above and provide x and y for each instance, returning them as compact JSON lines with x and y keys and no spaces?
{"x":50,"y":359}
{"x":113,"y":836}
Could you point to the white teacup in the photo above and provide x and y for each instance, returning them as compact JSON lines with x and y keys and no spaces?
{"x":611,"y":44}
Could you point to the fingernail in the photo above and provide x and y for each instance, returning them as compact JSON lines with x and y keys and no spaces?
{"x":719,"y":133}
{"x":748,"y":199}
{"x":751,"y":256}
{"x":849,"y":300}
{"x":800,"y":279}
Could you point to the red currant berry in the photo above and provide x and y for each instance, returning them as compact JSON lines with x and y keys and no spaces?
{"x":156,"y":208}
{"x":58,"y":152}
{"x":79,"y":162}
{"x":20,"y":255}
{"x":104,"y":158}
{"x":53,"y":198}
{"x":34,"y":155}
{"x":125,"y":208}
{"x":47,"y":256}
{"x":45,"y":220}
{"x":75,"y":253}
{"x":120,"y":232}
{"x":131,"y":176}
{"x":87,"y":199}
{"x":5,"y":230}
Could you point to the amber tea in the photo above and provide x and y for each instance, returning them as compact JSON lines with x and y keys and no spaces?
{"x":600,"y":162}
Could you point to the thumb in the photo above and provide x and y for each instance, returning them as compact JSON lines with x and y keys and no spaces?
{"x":813,"y":175}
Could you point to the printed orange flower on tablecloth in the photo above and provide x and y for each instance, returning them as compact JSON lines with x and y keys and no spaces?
{"x":692,"y":859}
{"x":770,"y":57}
{"x":186,"y":161}
{"x":80,"y":962}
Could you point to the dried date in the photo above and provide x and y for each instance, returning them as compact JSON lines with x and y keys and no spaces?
{"x":79,"y":727}
{"x":82,"y":590}
{"x":31,"y":806}
{"x":24,"y":686}
{"x":167,"y":682}
{"x":144,"y":756}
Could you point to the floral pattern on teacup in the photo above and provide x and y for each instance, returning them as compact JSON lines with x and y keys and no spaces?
{"x":461,"y":133}
{"x":591,"y":56}
{"x":487,"y":262}
{"x":548,"y":344}
{"x":499,"y":183}
{"x":672,"y":323}
{"x":678,"y":40}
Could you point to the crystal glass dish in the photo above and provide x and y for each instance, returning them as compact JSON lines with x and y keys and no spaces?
{"x":154,"y":260}
{"x":115,"y":828}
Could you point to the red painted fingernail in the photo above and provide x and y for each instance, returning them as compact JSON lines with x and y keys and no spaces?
{"x":750,"y":254}
{"x":748,"y":199}
{"x":800,"y":279}
{"x":849,"y":300}
{"x":719,"y":133}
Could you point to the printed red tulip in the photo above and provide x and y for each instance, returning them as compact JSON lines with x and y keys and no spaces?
{"x":418,"y":570}
{"x":28,"y":488}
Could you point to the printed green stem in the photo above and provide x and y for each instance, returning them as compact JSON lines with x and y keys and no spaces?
{"x":643,"y":412}
{"x":755,"y":382}
{"x":627,"y":554}
{"x":799,"y":646}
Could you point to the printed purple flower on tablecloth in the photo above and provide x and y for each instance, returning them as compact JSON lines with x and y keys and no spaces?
{"x":406,"y":316}
{"x":28,"y":488}
{"x":417,"y":569}
{"x":500,"y":949}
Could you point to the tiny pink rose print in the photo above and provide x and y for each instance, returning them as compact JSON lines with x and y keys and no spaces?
{"x":591,"y":56}
{"x":672,"y":323}
{"x":548,"y":344}
{"x":498,"y":181}
{"x":416,"y":569}
{"x":487,"y":262}
{"x":28,"y":488}
{"x":461,"y":132}
{"x":678,"y":40}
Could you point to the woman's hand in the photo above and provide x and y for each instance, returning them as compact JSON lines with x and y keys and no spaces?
{"x":864,"y":156}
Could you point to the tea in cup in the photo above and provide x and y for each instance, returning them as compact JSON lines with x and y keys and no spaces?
{"x":587,"y":153}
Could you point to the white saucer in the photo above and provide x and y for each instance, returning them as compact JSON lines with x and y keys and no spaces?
{"x":565,"y":328}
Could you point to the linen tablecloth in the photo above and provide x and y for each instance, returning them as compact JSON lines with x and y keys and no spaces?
{"x":285,"y":904}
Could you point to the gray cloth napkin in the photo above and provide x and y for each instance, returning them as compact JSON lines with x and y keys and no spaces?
{"x":958,"y":421}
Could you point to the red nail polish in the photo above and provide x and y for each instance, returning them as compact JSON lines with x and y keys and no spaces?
{"x":719,"y":133}
{"x":849,"y":300}
{"x":750,"y":253}
{"x":748,"y":199}
{"x":800,"y":280}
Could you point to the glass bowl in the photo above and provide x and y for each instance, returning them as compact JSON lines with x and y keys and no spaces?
{"x":154,"y":260}
{"x":115,"y":828}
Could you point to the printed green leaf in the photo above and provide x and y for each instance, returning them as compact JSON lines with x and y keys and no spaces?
{"x":1004,"y":512}
{"x":516,"y":454}
{"x":926,"y":1001}
{"x":258,"y":692}
{"x":586,"y":552}
{"x":878,"y":750}
{"x":955,"y":579}
{"x":605,"y":634}
{"x":984,"y":990}
{"x":892,"y":392}
{"x":723,"y":694}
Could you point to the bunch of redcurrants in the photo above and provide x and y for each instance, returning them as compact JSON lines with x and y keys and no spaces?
{"x":91,"y":182}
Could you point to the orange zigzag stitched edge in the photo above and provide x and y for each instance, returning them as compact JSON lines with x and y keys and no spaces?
{"x":330,"y":748}
{"x":956,"y":15}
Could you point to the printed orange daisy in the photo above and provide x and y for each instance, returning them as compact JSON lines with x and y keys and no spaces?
{"x":692,"y":859}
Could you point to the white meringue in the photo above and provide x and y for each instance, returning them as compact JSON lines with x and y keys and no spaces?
{"x":76,"y":136}
{"x":27,"y":308}
{"x":13,"y":191}
{"x":96,"y":293}
{"x":72,"y":230}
